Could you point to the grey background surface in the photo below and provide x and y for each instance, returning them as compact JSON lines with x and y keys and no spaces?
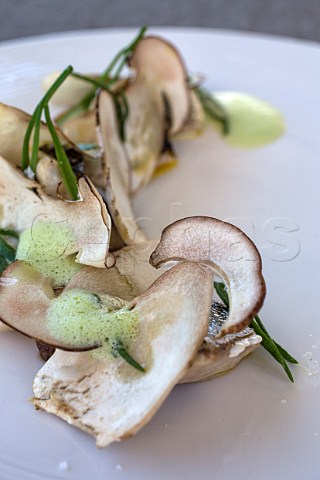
{"x":296,"y":18}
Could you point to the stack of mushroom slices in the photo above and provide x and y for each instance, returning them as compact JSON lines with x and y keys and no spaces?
{"x":176,"y":340}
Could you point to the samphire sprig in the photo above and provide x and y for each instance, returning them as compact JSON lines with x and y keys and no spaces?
{"x":7,"y":252}
{"x":34,"y":128}
{"x":278,"y":352}
{"x":120,"y":349}
{"x":109,"y":76}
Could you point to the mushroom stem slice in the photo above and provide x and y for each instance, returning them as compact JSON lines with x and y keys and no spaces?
{"x":108,"y":398}
{"x":228,"y":252}
{"x":25,"y":296}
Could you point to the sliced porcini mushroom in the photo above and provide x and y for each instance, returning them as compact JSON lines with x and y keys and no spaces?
{"x":158,"y":98}
{"x":228,"y":252}
{"x":13,"y":125}
{"x":145,"y":131}
{"x":159,"y":104}
{"x":132,"y":274}
{"x":117,"y":172}
{"x":23,"y":202}
{"x":159,"y":67}
{"x":25,"y":296}
{"x":96,"y":395}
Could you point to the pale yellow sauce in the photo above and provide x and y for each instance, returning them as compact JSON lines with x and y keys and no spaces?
{"x":43,"y":246}
{"x":253,"y":122}
{"x":79,"y":318}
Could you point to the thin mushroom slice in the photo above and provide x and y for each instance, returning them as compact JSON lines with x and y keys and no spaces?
{"x":228,"y":252}
{"x":25,"y":296}
{"x":117,"y":172}
{"x":23,"y":202}
{"x":108,"y":398}
{"x":159,"y":66}
{"x":132,"y":274}
{"x":159,"y":104}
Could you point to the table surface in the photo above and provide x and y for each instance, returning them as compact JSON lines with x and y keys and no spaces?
{"x":20,"y":18}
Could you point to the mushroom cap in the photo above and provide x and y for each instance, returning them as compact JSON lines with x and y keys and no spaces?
{"x":107,"y":398}
{"x":160,"y":67}
{"x":159,"y":104}
{"x":228,"y":252}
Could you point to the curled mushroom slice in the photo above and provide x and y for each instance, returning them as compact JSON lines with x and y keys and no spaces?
{"x":159,"y":67}
{"x":228,"y":252}
{"x":159,"y":104}
{"x":25,"y":296}
{"x":132,"y":274}
{"x":158,"y":99}
{"x":23,"y":202}
{"x":117,"y":172}
{"x":106,"y":397}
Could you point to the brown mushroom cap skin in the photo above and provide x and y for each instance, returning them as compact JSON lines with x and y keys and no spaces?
{"x":228,"y":252}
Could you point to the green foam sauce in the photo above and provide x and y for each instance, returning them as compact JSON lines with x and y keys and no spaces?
{"x":253,"y":122}
{"x":79,"y":318}
{"x":44,"y":245}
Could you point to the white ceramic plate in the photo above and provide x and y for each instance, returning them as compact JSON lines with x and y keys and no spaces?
{"x":251,"y":423}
